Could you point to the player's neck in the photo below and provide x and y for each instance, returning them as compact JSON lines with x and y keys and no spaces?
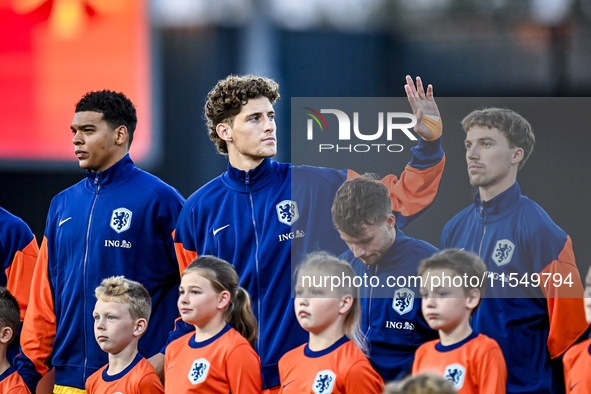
{"x":119,"y":361}
{"x":4,"y":364}
{"x":457,"y":334}
{"x":325,"y":339}
{"x":245,"y":163}
{"x":487,"y":193}
{"x":210,"y":329}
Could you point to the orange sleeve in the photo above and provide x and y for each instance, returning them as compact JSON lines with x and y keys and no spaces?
{"x":243,"y":371}
{"x":184,"y":256}
{"x":20,"y":274}
{"x":363,"y":379}
{"x":39,"y":327}
{"x":565,"y":301}
{"x":414,"y":191}
{"x":150,"y":384}
{"x":492,"y":371}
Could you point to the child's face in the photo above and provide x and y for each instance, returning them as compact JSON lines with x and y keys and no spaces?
{"x":587,"y":299}
{"x":198,"y":301}
{"x":316,"y":308}
{"x":113,"y":326}
{"x":444,"y":307}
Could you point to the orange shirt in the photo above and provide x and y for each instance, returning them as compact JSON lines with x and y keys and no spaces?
{"x":12,"y":383}
{"x":139,"y":377}
{"x":342,"y":368}
{"x":225,"y":363}
{"x":577,"y":367}
{"x":474,"y":365}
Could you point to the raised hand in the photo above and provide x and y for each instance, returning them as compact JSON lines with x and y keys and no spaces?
{"x":423,"y":104}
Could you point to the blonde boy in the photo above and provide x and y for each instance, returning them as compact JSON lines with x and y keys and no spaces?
{"x":10,"y":380}
{"x":453,"y":282}
{"x":577,"y":360}
{"x":121,"y":317}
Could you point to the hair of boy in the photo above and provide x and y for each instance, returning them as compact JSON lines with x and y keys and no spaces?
{"x":426,"y":383}
{"x":116,"y":108}
{"x":325,"y":263}
{"x":125,"y":291}
{"x":514,"y":126}
{"x":9,"y":312}
{"x":223,"y":277}
{"x":228,"y":96}
{"x":359,"y":203}
{"x":460,"y":262}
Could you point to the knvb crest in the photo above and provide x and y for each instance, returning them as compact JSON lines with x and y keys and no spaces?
{"x":503,"y":252}
{"x":287,"y":212}
{"x":198,"y":371}
{"x":121,"y":219}
{"x":404,"y":300}
{"x":455,"y":374}
{"x":324,"y":382}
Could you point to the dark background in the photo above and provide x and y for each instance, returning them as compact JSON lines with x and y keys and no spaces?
{"x":464,"y":57}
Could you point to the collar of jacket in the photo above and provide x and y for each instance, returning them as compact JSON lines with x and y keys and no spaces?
{"x":499,"y":207}
{"x":112,"y":176}
{"x":397,"y":251}
{"x":258,"y":177}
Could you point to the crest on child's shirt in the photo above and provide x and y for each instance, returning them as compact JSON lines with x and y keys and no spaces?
{"x":503,"y":252}
{"x":455,"y":374}
{"x":324,"y":382}
{"x":403,"y":301}
{"x":287,"y":212}
{"x":198,"y":371}
{"x":121,"y":219}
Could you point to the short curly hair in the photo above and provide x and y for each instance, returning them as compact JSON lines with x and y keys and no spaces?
{"x":228,"y":96}
{"x":360,"y":202}
{"x":116,"y":108}
{"x":128,"y":292}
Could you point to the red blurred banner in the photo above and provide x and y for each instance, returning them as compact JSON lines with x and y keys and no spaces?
{"x":54,"y":51}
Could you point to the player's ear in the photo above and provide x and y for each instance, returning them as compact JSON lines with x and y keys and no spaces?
{"x":473,"y":298}
{"x":140,"y":327}
{"x":391,"y":221}
{"x":224,"y":131}
{"x":517,"y":155}
{"x":223,"y":299}
{"x":5,"y":335}
{"x":345,"y":304}
{"x":121,"y":135}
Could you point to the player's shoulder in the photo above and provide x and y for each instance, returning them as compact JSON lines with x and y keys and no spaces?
{"x":94,"y":379}
{"x":12,"y":222}
{"x":292,"y":356}
{"x":576,"y":351}
{"x":305,"y":173}
{"x":211,"y":190}
{"x":155,"y":184}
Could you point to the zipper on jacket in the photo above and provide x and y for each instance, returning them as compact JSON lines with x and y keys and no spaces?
{"x":97,"y":188}
{"x":256,"y":259}
{"x":482,"y":214}
{"x":374,"y":273}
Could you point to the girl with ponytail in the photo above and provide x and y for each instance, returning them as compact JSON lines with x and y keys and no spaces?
{"x":219,"y":357}
{"x":333,"y":361}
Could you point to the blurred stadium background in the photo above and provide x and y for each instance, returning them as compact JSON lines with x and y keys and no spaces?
{"x":167,"y":54}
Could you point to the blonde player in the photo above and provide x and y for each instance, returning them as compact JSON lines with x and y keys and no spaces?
{"x":332,"y":361}
{"x":121,"y":315}
{"x":577,"y":360}
{"x":219,"y":357}
{"x":452,"y":288}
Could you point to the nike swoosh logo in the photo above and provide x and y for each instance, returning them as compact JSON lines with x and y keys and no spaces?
{"x":288,"y":383}
{"x":219,"y":229}
{"x":64,"y":221}
{"x":573,"y":386}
